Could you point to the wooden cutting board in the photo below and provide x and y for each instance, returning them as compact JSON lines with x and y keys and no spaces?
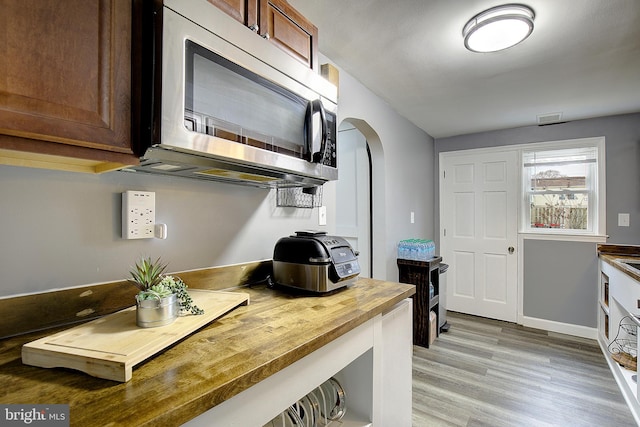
{"x":111,"y":346}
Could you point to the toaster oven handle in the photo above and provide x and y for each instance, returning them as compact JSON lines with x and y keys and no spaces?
{"x":313,"y":260}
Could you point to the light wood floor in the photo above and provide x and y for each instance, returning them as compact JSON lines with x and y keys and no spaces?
{"x":489,"y":373}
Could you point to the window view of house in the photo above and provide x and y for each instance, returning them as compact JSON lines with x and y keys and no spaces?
{"x":560,"y":188}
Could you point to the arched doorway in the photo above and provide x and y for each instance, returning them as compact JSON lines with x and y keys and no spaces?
{"x":360,"y":194}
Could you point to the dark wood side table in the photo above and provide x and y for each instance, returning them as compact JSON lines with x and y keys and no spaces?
{"x":421,"y":274}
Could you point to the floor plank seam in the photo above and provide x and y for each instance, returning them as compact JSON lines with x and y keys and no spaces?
{"x":490,"y":373}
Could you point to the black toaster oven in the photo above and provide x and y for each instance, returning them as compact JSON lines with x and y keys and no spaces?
{"x":314,"y":261}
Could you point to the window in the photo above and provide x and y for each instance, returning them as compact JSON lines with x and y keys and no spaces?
{"x":561,"y":187}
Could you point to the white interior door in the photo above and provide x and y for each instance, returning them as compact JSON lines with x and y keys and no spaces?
{"x":353,"y":194}
{"x":478,"y":223}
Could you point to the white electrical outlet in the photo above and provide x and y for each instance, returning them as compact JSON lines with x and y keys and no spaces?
{"x":138,"y":214}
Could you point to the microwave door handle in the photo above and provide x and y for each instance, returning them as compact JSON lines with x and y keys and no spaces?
{"x":308,"y":127}
{"x":319,"y":156}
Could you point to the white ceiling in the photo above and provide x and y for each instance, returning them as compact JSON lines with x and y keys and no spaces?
{"x":582,"y":59}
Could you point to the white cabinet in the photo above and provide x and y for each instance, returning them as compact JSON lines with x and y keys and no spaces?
{"x":618,"y":300}
{"x":372,"y":363}
{"x":603,"y":307}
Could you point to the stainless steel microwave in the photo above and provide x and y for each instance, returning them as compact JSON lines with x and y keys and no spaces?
{"x":213,"y":100}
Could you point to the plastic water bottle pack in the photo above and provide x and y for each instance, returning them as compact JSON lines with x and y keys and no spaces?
{"x":416,"y":249}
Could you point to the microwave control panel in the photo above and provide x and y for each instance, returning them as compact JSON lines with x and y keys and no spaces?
{"x":331,"y":158}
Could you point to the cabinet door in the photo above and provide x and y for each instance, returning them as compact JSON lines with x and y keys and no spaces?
{"x":65,"y":78}
{"x":243,"y":11}
{"x":290,"y":31}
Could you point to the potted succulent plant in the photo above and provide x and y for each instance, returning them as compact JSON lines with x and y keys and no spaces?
{"x":161,"y":298}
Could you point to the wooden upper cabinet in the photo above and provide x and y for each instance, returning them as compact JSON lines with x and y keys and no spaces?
{"x":65,"y":81}
{"x":243,"y":11}
{"x":280,"y":23}
{"x":289,"y":30}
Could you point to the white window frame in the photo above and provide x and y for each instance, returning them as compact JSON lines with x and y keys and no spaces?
{"x":597,"y":206}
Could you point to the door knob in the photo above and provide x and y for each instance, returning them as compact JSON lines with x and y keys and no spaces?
{"x":511,"y":249}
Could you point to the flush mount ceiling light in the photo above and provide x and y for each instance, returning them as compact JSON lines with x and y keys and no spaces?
{"x":498,"y":28}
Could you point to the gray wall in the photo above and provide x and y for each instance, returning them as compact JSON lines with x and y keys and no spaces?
{"x":62,"y":229}
{"x":569,"y":269}
{"x":560,"y":288}
{"x":403,"y":172}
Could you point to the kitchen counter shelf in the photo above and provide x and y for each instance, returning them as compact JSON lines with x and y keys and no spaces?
{"x":625,"y":379}
{"x":238,"y":351}
{"x":618,"y":303}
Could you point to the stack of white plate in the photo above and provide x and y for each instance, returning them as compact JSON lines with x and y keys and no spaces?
{"x":319,"y":408}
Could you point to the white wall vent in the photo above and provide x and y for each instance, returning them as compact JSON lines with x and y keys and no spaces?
{"x":549,"y":118}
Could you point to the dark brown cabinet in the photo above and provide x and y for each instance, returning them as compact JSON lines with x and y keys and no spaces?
{"x":290,"y":31}
{"x":243,"y":11}
{"x":65,"y":83}
{"x":422,"y":274}
{"x":277,"y":21}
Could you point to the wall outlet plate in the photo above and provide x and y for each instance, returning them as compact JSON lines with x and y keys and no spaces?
{"x":623,"y":220}
{"x":322,"y":215}
{"x":138,"y":214}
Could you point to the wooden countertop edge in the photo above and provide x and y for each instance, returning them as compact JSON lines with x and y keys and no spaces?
{"x":614,"y":261}
{"x":185,"y":406}
{"x":613,"y":254}
{"x":622,"y":250}
{"x":243,"y":382}
{"x":211,"y":398}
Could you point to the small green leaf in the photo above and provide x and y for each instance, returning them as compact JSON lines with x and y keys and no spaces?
{"x":147,"y":273}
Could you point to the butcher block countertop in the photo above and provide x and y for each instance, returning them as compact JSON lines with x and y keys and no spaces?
{"x":613,"y":254}
{"x":228,"y":356}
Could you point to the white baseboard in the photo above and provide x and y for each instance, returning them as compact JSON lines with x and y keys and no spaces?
{"x":561,"y":328}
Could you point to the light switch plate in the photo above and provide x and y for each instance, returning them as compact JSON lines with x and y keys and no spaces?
{"x":322,"y":215}
{"x":138,"y":214}
{"x":623,"y":220}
